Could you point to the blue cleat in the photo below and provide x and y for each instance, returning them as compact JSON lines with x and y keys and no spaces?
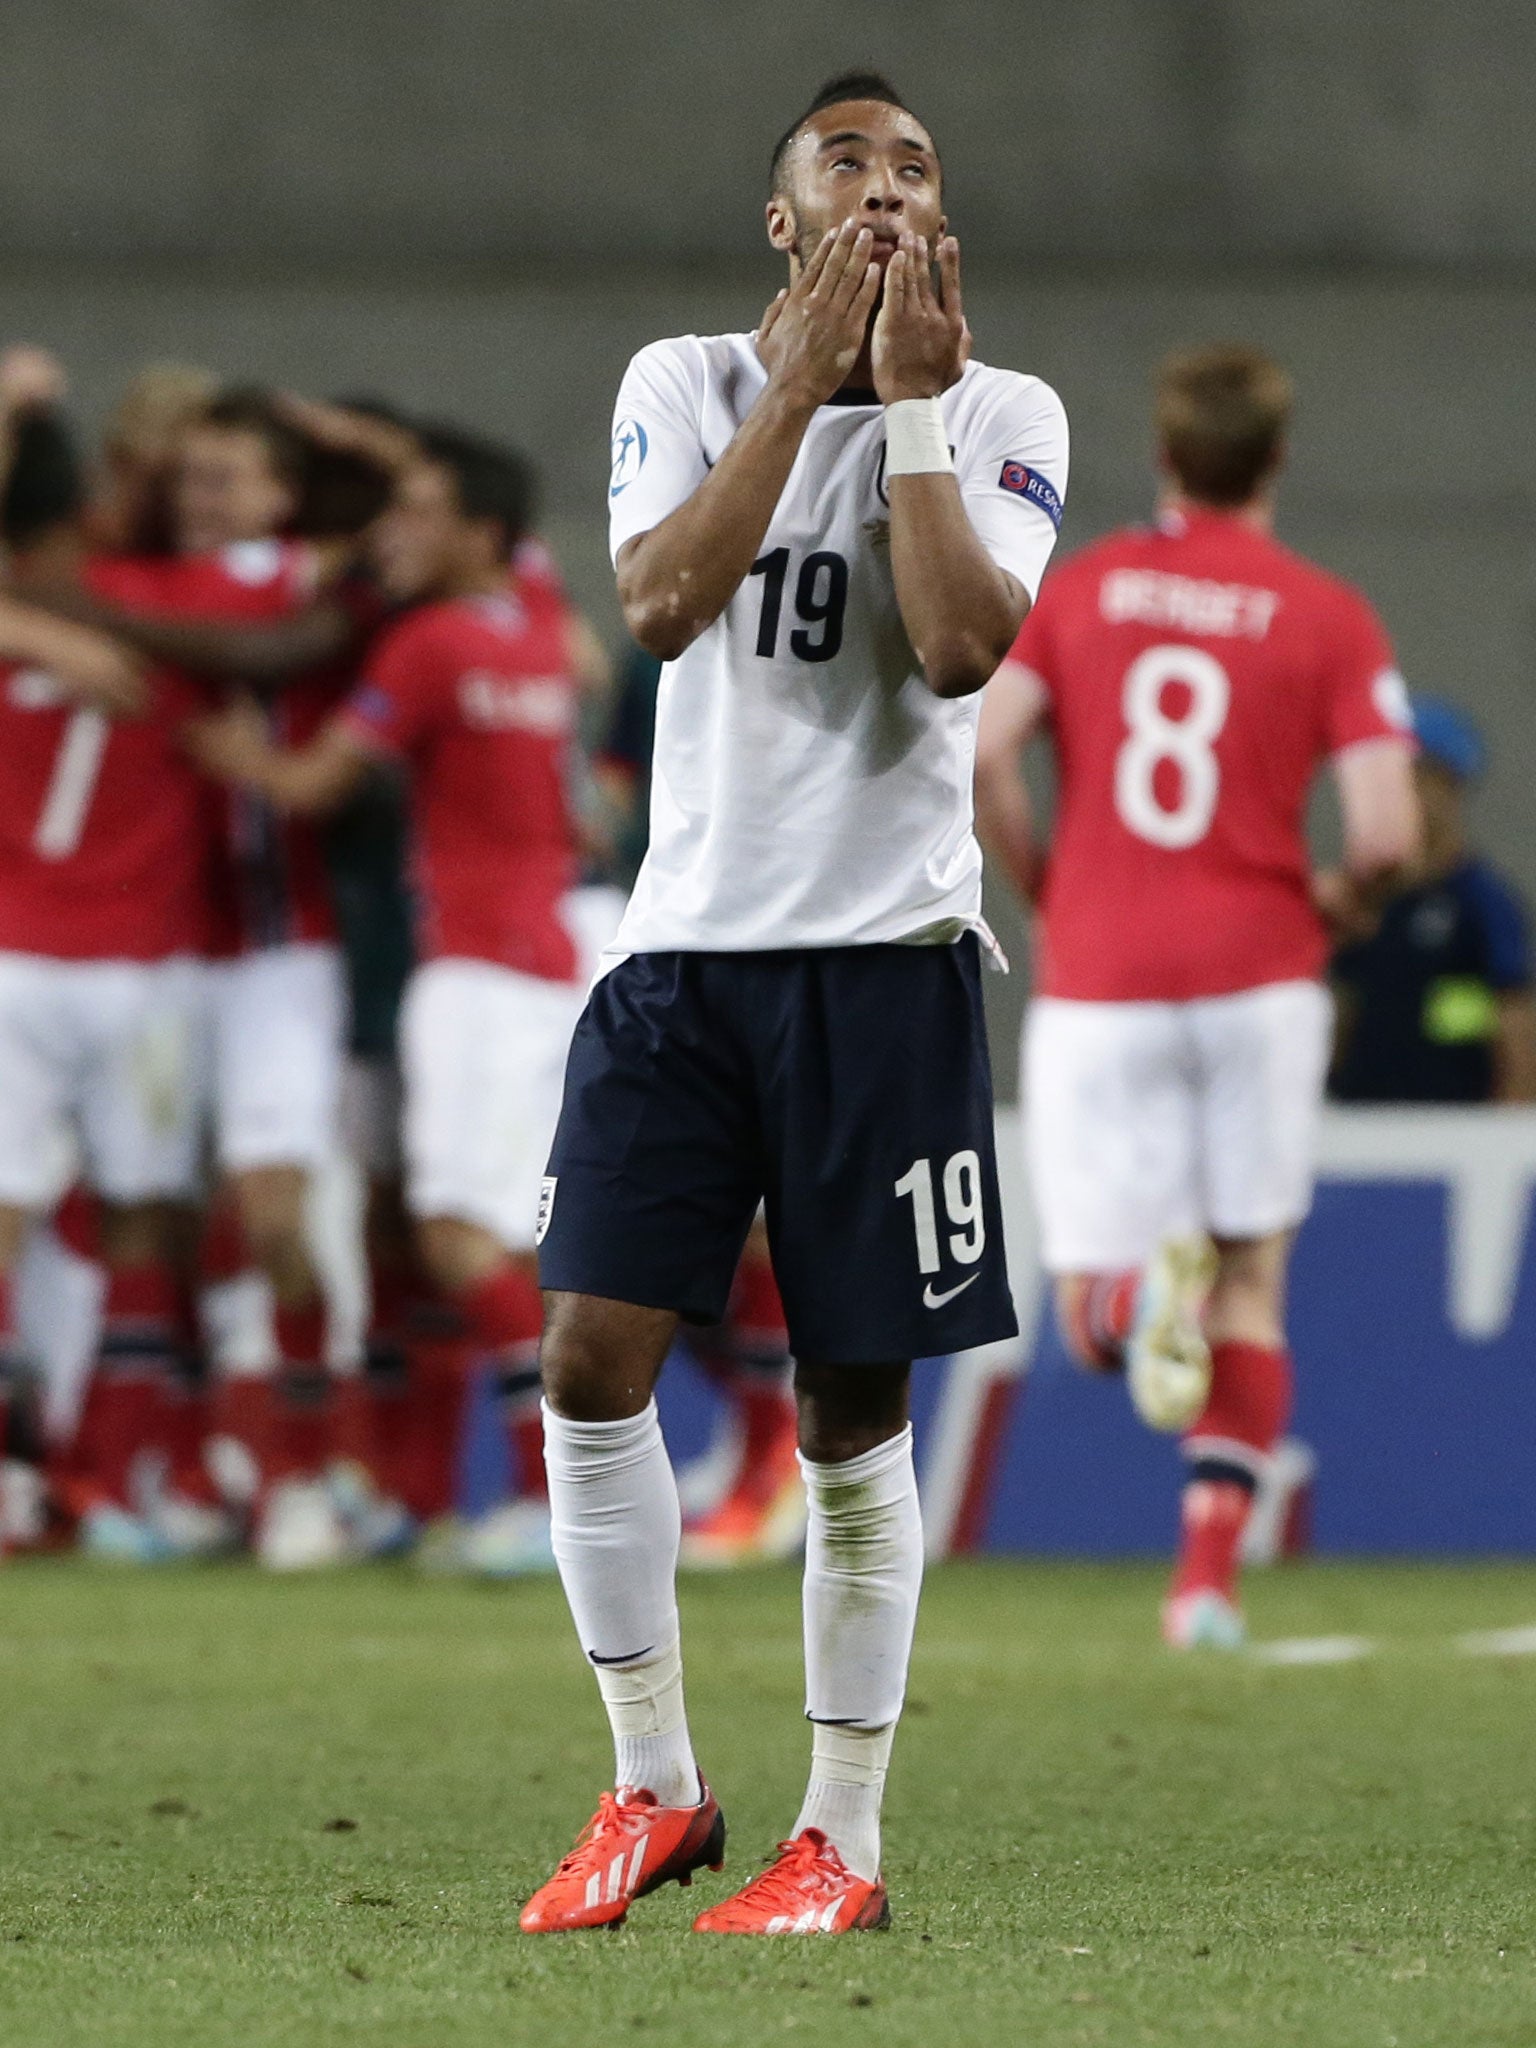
{"x":1203,"y":1621}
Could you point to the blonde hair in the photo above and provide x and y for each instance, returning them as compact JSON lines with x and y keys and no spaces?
{"x":154,"y":408}
{"x":1222,"y":414}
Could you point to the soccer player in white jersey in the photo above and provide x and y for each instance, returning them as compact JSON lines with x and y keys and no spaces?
{"x":828,"y":531}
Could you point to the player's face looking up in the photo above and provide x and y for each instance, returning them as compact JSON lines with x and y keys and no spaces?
{"x":863,"y":160}
{"x":227,"y":488}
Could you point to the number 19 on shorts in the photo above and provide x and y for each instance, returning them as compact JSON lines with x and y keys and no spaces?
{"x":959,"y":1179}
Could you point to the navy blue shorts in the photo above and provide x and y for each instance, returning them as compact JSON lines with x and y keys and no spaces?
{"x":849,"y":1090}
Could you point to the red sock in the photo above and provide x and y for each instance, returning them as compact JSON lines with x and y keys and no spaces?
{"x":1248,"y":1408}
{"x":1097,"y":1325}
{"x":187,"y":1409}
{"x":223,"y":1253}
{"x":1213,"y":1515}
{"x":243,"y":1407}
{"x":519,"y":1390}
{"x":353,"y":1415}
{"x":77,"y":1223}
{"x":1245,"y":1417}
{"x":504,"y":1308}
{"x":423,"y":1429}
{"x":505,"y":1313}
{"x":125,"y":1402}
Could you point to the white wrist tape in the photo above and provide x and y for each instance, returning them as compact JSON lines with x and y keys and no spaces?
{"x":916,"y":443}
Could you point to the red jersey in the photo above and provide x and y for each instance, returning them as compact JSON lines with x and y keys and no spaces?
{"x":101,"y":825}
{"x":273,"y":882}
{"x":476,"y":695}
{"x":1196,"y":674}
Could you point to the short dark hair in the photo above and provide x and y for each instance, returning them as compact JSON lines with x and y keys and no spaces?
{"x":247,"y":409}
{"x":344,"y":492}
{"x":1222,"y":416}
{"x":492,"y":482}
{"x":847,"y":85}
{"x":45,"y":488}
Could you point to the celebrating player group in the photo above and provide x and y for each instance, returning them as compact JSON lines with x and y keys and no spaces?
{"x":301,"y":859}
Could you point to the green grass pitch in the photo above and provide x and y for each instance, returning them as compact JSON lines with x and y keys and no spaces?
{"x":292,"y":1814}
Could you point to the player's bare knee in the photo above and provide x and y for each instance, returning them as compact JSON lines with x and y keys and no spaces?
{"x":15,"y":1223}
{"x":846,"y":1410}
{"x":1246,"y":1304}
{"x":271,"y":1201}
{"x":457,"y":1254}
{"x":135,"y":1233}
{"x":600,"y":1359}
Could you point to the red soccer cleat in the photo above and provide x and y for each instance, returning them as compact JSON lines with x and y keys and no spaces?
{"x":807,"y":1889}
{"x":629,"y":1847}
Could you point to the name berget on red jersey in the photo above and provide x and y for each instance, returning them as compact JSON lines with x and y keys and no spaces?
{"x":1196,"y":674}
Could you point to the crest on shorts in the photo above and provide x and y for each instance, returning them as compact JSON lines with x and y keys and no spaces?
{"x":547,"y":1188}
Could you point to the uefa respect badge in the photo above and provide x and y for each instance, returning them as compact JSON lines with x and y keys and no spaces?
{"x":1028,"y":483}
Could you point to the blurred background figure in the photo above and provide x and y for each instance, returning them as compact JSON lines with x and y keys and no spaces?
{"x":1436,"y":1005}
{"x":1194,"y":677}
{"x":130,"y":511}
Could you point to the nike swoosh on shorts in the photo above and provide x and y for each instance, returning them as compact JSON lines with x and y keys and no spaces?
{"x":932,"y":1300}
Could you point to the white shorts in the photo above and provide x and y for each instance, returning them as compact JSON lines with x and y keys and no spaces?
{"x":102,"y":1065}
{"x":483,"y":1052}
{"x":279,"y":1021}
{"x":1146,"y":1120}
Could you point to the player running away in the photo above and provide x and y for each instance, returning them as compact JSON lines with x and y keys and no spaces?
{"x":1192,"y":676}
{"x":829,"y":531}
{"x":475,"y":693}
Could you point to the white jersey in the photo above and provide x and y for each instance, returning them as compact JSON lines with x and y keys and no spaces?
{"x":808,"y":788}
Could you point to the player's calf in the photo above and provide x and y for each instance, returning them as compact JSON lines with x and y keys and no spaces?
{"x":1096,"y":1313}
{"x":1225,"y":1452}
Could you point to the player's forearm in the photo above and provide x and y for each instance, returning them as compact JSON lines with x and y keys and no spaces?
{"x":89,"y":669}
{"x":313,"y":780}
{"x":1006,"y":827}
{"x":676,"y":580}
{"x":305,"y":782}
{"x":30,"y":635}
{"x":962,"y":613}
{"x":590,"y":660}
{"x":1383,"y":830}
{"x":265,"y":654}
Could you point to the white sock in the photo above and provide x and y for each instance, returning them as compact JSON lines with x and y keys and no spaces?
{"x":848,"y":1768}
{"x":615,"y":1527}
{"x":863,"y":1573}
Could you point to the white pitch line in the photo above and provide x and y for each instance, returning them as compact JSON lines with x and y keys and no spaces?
{"x":1499,"y":1642}
{"x":1314,"y":1650}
